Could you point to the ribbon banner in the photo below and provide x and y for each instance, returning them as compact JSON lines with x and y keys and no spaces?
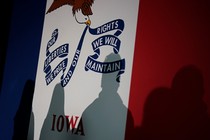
{"x":91,"y":63}
{"x":106,"y":40}
{"x":60,"y":52}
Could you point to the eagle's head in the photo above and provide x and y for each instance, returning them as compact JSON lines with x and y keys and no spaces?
{"x":81,"y":18}
{"x":82,"y":10}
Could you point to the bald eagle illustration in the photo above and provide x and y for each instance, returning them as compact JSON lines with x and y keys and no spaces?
{"x":77,"y":5}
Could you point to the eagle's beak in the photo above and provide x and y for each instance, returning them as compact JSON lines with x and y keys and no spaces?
{"x":88,"y":22}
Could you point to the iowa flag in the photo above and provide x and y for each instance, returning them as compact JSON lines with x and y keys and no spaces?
{"x":83,"y":78}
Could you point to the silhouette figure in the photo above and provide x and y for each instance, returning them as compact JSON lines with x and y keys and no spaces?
{"x":22,"y":117}
{"x":191,"y":111}
{"x":105,"y":118}
{"x":179,"y":112}
{"x":54,"y":126}
{"x":157,"y":116}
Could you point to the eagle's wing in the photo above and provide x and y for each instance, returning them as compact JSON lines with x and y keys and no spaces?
{"x":90,"y":2}
{"x":58,"y":3}
{"x":86,"y":7}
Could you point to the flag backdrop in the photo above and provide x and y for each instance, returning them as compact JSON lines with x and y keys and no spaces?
{"x":138,"y":50}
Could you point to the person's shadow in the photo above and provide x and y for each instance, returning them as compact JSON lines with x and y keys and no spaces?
{"x":22,"y":117}
{"x":178,"y":112}
{"x":105,"y":118}
{"x":54,"y":126}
